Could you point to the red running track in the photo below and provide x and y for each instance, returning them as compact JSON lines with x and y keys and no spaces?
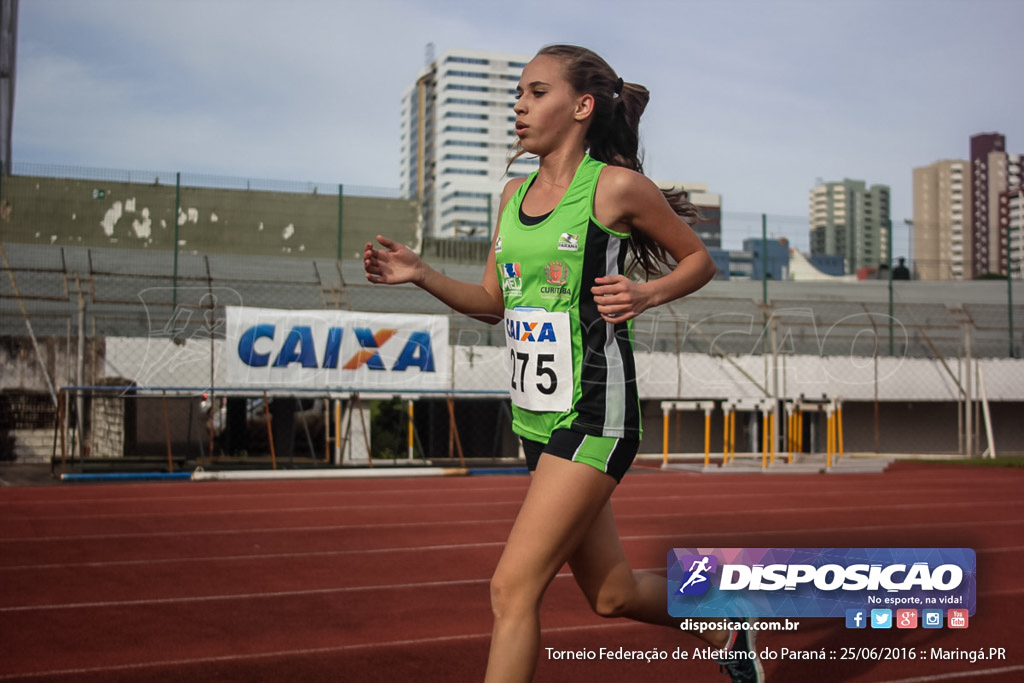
{"x":387,"y":580}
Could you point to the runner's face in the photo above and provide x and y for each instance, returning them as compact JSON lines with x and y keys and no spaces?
{"x":546,"y":108}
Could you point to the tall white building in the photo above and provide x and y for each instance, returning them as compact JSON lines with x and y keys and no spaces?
{"x":457,"y":128}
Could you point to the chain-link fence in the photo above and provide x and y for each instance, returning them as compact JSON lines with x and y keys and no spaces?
{"x":124,"y":281}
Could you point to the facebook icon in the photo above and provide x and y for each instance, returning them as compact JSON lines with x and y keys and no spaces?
{"x":856,"y":618}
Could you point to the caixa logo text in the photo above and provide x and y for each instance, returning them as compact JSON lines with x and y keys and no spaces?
{"x":831,"y":577}
{"x":525,"y":331}
{"x":298,"y":346}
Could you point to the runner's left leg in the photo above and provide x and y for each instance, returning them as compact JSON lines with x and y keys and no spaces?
{"x":613,"y":589}
{"x":560,"y":506}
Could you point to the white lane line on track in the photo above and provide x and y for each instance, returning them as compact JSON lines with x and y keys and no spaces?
{"x":507,"y":520}
{"x":444,"y":547}
{"x":244,"y":596}
{"x":293,"y":653}
{"x":419,"y":585}
{"x":304,"y":487}
{"x":958,"y":674}
{"x":128,"y":514}
{"x":629,"y":491}
{"x":348,"y":507}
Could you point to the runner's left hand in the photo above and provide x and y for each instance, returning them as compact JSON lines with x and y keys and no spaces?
{"x":618,"y":298}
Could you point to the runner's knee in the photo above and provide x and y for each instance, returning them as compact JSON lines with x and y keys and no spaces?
{"x":512,"y":595}
{"x":612,"y":601}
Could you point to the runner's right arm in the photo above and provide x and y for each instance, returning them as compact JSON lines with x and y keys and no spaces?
{"x":396,"y":264}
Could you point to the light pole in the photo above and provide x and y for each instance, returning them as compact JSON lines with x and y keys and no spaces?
{"x":888,"y":259}
{"x":910,"y":245}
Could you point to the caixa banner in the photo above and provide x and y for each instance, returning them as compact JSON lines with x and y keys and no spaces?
{"x":340,"y":350}
{"x":817,"y":582}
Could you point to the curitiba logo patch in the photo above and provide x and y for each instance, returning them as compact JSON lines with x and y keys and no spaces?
{"x":555,"y":272}
{"x":557,"y":275}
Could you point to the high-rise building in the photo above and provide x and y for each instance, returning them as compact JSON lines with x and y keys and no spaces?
{"x":851,"y":220}
{"x":1011,"y":218}
{"x":457,"y":129}
{"x":942,"y":211}
{"x":968,"y":217}
{"x":968,"y":214}
{"x":988,"y":180}
{"x":709,"y":228}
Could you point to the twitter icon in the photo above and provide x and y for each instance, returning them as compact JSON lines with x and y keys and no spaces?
{"x":881,"y":618}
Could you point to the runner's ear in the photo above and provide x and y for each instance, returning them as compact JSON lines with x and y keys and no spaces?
{"x":584,"y":107}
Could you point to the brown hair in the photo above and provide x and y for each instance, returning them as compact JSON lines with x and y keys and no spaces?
{"x":614,"y":134}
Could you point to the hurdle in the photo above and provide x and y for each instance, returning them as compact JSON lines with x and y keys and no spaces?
{"x":679,"y":406}
{"x":833,"y":410}
{"x":835,"y":421}
{"x":767,"y":408}
{"x":794,"y":429}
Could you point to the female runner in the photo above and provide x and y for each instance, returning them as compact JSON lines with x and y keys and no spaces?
{"x":555,"y":275}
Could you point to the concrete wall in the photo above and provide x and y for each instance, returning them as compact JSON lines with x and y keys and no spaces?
{"x":20,"y":369}
{"x":128,"y":215}
{"x":26,"y":445}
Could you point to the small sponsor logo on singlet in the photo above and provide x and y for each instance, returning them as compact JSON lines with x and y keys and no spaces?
{"x":557,"y":275}
{"x":569,"y":242}
{"x":511,"y":279}
{"x":497,"y":245}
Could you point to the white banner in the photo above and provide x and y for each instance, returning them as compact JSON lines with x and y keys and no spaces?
{"x":336,"y":350}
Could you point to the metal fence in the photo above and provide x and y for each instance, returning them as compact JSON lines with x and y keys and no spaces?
{"x":134,"y":293}
{"x":75,"y":300}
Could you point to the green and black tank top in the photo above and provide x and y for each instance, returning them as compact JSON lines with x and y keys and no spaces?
{"x":570,"y":369}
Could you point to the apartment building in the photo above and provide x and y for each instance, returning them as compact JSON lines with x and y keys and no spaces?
{"x":1011,"y":217}
{"x":969,"y":214}
{"x":988,"y":180}
{"x":850,"y":219}
{"x":457,"y":126}
{"x":942,"y":211}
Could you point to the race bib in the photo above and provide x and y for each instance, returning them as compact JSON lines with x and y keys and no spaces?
{"x":540,"y":355}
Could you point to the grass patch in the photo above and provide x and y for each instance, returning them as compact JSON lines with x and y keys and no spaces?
{"x":1014,"y":461}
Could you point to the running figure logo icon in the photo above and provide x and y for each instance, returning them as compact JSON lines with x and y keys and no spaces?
{"x":696,"y":581}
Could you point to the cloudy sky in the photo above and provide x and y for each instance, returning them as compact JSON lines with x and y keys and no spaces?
{"x":761,"y":99}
